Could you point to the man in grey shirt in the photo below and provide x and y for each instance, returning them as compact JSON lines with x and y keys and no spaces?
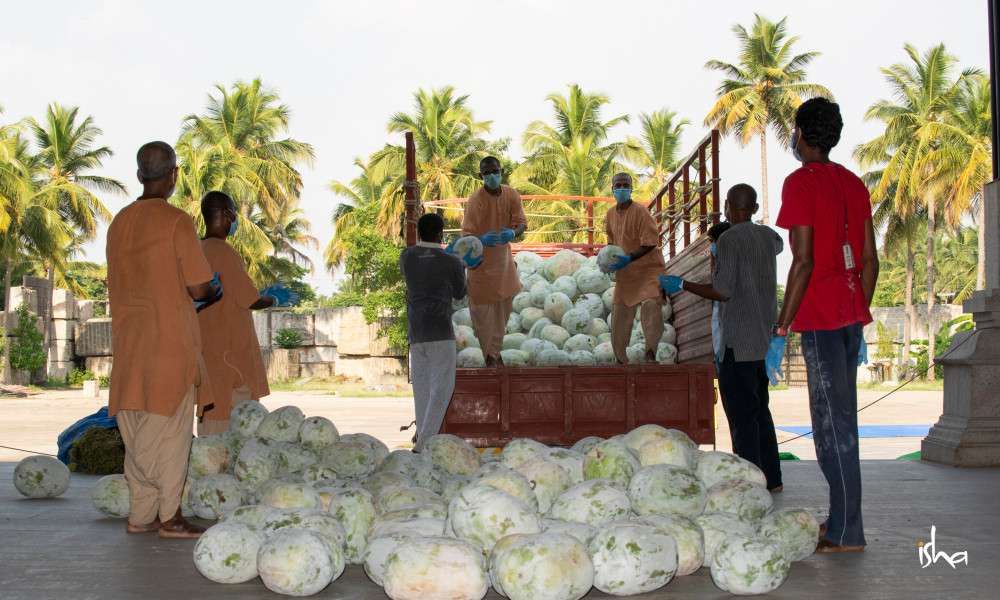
{"x":433,"y":279}
{"x":745,"y":284}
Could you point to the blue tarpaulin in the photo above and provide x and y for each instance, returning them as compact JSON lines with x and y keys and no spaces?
{"x":868,"y":431}
{"x":74,"y":431}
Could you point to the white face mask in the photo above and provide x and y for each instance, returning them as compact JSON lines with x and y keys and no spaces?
{"x":795,"y":145}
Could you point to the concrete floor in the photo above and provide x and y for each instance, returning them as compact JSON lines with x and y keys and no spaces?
{"x":62,"y":548}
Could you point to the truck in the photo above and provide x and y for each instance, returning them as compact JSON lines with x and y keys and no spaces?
{"x":561,"y":405}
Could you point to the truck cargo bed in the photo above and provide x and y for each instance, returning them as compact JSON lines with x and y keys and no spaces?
{"x":560,"y":405}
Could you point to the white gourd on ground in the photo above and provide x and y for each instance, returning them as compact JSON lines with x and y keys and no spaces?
{"x":608,"y":297}
{"x":636,"y":438}
{"x":674,"y":448}
{"x":41,"y":477}
{"x":591,"y":303}
{"x":666,"y":354}
{"x":551,"y":358}
{"x":632,"y":558}
{"x":462,"y":317}
{"x":547,"y":479}
{"x":254,"y":516}
{"x":545,"y":566}
{"x":539,"y":293}
{"x":667,"y":311}
{"x":471,"y":358}
{"x":746,"y":500}
{"x":318,"y":432}
{"x":522,"y":300}
{"x":597,"y":328}
{"x":609,"y":256}
{"x":404,"y":496}
{"x":611,"y":459}
{"x":534,"y":347}
{"x":452,"y":455}
{"x":604,"y":354}
{"x":291,"y":495}
{"x":566,"y":285}
{"x":594,"y":502}
{"x":590,"y":280}
{"x":377,"y":552}
{"x":481,"y":515}
{"x":580,"y":341}
{"x":513,"y":323}
{"x":581,"y":531}
{"x":227,"y":553}
{"x":422,"y":527}
{"x":530,"y":281}
{"x":522,"y":450}
{"x":437,"y":567}
{"x":468,"y":246}
{"x":515,"y":358}
{"x":538,"y":326}
{"x":461,"y":303}
{"x":688,"y":536}
{"x":296,"y":562}
{"x":465,"y":337}
{"x":528,"y":260}
{"x":111,"y":496}
{"x":564,"y":262}
{"x":245,"y":417}
{"x":636,"y":354}
{"x":665,"y":489}
{"x":513,"y":341}
{"x":417,"y":511}
{"x":716,"y":527}
{"x":576,"y":321}
{"x":355,"y":510}
{"x":570,"y":460}
{"x":350,"y":458}
{"x":583,"y":445}
{"x":582,"y":358}
{"x":794,"y":531}
{"x":604,"y":338}
{"x":317,"y":473}
{"x":213,"y":495}
{"x":281,"y":425}
{"x":377,"y":446}
{"x":556,"y":305}
{"x":292,"y":458}
{"x":669,"y":335}
{"x":209,"y":456}
{"x":714,"y":467}
{"x":555,"y":334}
{"x":529,"y":316}
{"x":749,"y":566}
{"x":322,"y":524}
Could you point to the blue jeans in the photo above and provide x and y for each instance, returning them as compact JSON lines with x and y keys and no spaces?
{"x":832,"y":366}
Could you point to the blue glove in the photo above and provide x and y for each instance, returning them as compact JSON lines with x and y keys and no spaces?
{"x":775,"y":354}
{"x":491,"y":238}
{"x":671,"y":284}
{"x":200,"y":304}
{"x":282,"y":295}
{"x":620,"y":263}
{"x":506,"y":235}
{"x":471,"y":262}
{"x":450,"y":248}
{"x":863,"y":353}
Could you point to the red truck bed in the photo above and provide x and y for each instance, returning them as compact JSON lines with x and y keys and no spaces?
{"x":560,"y":405}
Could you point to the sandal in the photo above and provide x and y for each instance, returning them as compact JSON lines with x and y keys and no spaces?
{"x":828,"y":547}
{"x":148,"y":528}
{"x":178,"y":528}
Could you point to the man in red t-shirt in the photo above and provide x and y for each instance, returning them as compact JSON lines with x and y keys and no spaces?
{"x":827,"y":212}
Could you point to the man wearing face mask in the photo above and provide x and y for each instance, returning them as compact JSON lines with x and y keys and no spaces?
{"x":155,"y":269}
{"x":232,"y":354}
{"x":744,"y":283}
{"x":827,"y":212}
{"x":495,"y":215}
{"x":631,"y":227}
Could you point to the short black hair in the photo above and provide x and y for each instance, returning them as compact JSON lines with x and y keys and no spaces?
{"x":819,"y":123}
{"x":214,"y":202}
{"x":716,"y":231}
{"x":742,"y":196}
{"x":430,"y":226}
{"x":489,"y":160}
{"x":155,"y":160}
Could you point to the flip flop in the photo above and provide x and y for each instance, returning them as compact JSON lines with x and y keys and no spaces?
{"x":828,"y":547}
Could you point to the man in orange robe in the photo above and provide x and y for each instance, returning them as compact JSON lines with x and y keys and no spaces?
{"x":495,"y":215}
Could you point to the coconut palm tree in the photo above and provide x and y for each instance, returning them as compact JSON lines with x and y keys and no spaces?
{"x":449,"y":147}
{"x":360,"y":193}
{"x":762,"y":90}
{"x":655,"y":151}
{"x":924,"y":93}
{"x":290,"y":231}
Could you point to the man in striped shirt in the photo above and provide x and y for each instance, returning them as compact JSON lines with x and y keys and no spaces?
{"x":745,"y":283}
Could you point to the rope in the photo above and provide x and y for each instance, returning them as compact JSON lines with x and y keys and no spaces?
{"x":29,"y":451}
{"x":930,"y":365}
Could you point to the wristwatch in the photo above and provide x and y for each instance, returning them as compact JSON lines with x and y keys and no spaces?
{"x":779,"y":330}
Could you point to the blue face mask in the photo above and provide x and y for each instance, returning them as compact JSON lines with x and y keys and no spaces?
{"x":491,"y":181}
{"x":713,"y":249}
{"x":233,"y":226}
{"x":622,"y":195}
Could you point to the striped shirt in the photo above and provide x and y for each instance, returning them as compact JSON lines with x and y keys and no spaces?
{"x":747,"y":274}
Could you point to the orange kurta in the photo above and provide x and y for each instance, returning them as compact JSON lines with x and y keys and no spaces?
{"x":153,"y":256}
{"x":232,"y":354}
{"x":631,"y":229}
{"x":496,"y":279}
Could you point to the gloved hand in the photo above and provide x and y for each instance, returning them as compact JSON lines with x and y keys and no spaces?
{"x":775,"y":354}
{"x":506,"y":235}
{"x":450,"y":248}
{"x":490,"y":239}
{"x":472,"y":262}
{"x":217,"y":282}
{"x":620,"y":263}
{"x":282,"y":295}
{"x":671,"y":284}
{"x":863,"y":353}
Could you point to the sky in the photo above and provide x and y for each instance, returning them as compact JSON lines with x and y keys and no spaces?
{"x":344,"y":67}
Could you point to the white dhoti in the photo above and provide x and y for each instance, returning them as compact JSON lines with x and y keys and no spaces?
{"x":432,"y":371}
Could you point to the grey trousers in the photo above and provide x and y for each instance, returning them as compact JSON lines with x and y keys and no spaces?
{"x":432,"y":371}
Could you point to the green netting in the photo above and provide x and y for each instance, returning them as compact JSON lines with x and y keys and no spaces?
{"x":787,"y":456}
{"x":910,"y":456}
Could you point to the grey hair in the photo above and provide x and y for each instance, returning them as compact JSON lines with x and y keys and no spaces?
{"x":155,"y":160}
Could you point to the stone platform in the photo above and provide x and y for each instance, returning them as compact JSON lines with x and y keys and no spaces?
{"x":63,"y":549}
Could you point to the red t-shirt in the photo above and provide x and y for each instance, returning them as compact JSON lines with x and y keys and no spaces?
{"x":821,"y":196}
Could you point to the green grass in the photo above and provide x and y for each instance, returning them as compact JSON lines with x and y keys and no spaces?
{"x":777,"y":388}
{"x":915,"y":386}
{"x":344,"y":389}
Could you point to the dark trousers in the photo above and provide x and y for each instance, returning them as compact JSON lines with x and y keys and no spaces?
{"x":832,"y":369}
{"x":744,"y":397}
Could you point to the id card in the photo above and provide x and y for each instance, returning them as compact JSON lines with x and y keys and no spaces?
{"x":848,"y":257}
